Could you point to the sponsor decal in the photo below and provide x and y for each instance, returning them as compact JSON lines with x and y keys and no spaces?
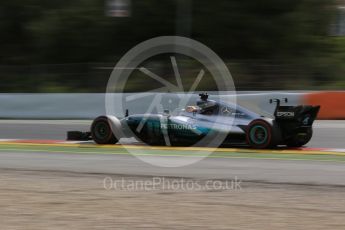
{"x":306,"y":120}
{"x":285,"y":114}
{"x":178,"y":126}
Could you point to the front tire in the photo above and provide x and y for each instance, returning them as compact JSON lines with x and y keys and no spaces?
{"x":101,"y":131}
{"x":259,"y":135}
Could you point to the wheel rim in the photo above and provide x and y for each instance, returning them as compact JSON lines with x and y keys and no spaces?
{"x":258,"y":134}
{"x":102,"y":130}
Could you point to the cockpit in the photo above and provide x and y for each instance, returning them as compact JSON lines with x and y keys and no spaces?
{"x":211,"y":108}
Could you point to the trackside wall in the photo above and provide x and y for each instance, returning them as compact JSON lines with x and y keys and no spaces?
{"x":89,"y":106}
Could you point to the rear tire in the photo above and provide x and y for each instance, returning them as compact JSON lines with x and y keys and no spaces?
{"x":298,"y":140}
{"x":259,"y":135}
{"x":101,"y":131}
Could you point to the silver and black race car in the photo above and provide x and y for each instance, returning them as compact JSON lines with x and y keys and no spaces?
{"x":207,"y":123}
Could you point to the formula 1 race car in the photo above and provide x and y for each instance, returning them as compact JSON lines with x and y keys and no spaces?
{"x":290,"y":126}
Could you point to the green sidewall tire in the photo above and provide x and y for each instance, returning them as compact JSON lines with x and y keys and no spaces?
{"x":259,"y":135}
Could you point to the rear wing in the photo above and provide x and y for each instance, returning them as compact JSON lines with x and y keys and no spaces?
{"x":302,"y":114}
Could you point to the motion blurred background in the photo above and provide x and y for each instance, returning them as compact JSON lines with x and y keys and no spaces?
{"x":72,"y":45}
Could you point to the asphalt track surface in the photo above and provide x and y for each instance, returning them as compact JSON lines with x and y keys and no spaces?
{"x":247,"y":167}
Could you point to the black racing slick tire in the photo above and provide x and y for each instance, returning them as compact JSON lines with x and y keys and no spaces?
{"x":300,"y":139}
{"x":259,"y":135}
{"x":101,"y":131}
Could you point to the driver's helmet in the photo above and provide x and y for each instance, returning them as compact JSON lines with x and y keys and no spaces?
{"x":208,"y":105}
